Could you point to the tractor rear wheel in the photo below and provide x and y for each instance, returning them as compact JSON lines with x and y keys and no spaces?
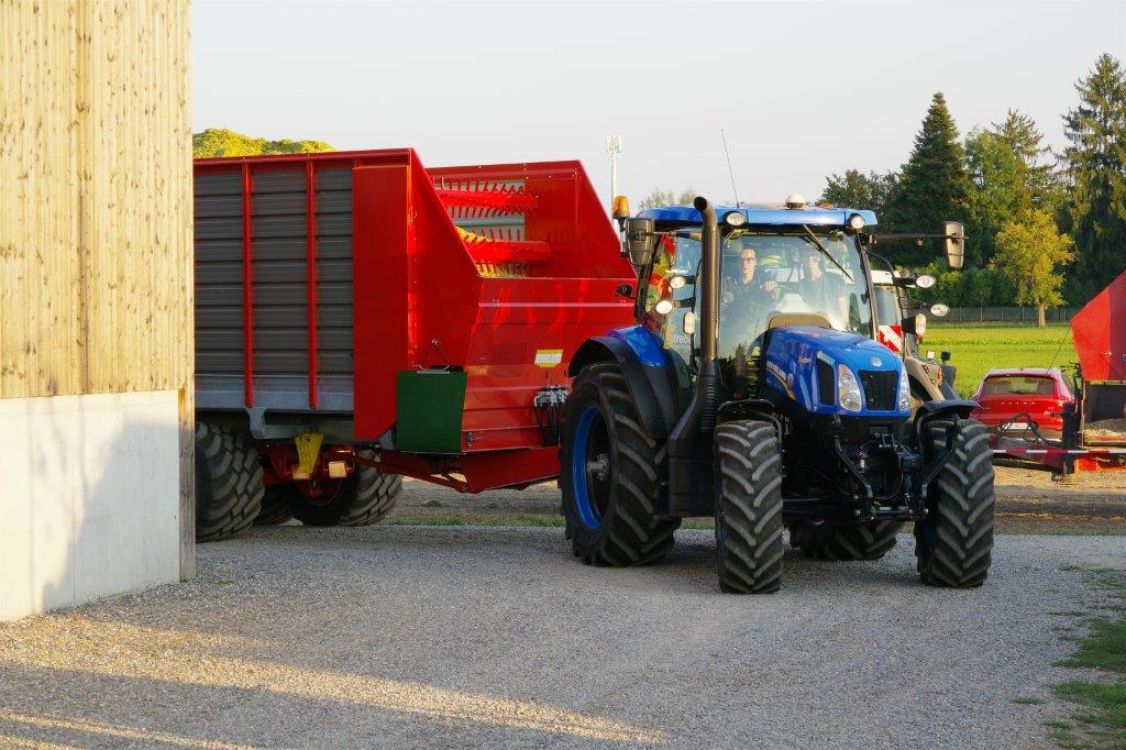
{"x":610,"y":474}
{"x":954,"y":543}
{"x":827,"y":541}
{"x":748,"y":507}
{"x":361,"y":499}
{"x":228,"y":491}
{"x":275,"y":506}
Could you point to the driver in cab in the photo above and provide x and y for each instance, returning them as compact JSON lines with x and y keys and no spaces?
{"x":744,"y":283}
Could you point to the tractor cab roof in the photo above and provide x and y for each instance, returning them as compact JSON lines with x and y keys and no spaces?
{"x":765,"y":215}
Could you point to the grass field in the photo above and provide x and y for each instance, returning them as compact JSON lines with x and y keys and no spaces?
{"x":976,"y":348}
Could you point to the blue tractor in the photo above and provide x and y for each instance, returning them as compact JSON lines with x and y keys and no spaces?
{"x":751,"y":389}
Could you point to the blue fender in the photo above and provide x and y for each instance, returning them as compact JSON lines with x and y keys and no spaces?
{"x":648,"y":371}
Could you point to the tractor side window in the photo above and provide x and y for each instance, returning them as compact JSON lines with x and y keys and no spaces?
{"x":675,"y":256}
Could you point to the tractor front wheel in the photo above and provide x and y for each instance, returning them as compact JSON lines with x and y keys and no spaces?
{"x":610,"y":472}
{"x":748,"y":507}
{"x":954,"y":543}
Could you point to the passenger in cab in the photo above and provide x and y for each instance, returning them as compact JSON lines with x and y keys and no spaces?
{"x":823,"y":292}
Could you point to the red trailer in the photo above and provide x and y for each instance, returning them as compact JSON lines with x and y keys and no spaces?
{"x":359,"y":316}
{"x":1094,"y":434}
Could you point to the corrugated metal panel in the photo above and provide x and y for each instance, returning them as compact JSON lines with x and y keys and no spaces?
{"x":218,"y":279}
{"x":334,"y":272}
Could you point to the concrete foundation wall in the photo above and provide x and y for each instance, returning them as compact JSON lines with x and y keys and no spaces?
{"x":91,"y":500}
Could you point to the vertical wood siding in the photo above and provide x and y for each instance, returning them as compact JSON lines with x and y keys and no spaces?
{"x":95,"y":197}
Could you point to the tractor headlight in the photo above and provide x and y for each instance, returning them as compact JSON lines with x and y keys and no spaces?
{"x":848,"y":390}
{"x":904,"y":392}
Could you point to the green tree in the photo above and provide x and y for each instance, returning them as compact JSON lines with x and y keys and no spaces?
{"x":1096,"y":166}
{"x":932,"y":186}
{"x":659,"y":197}
{"x":1019,"y":131}
{"x":1030,"y":251}
{"x":854,"y":189}
{"x":999,"y":189}
{"x":222,"y":142}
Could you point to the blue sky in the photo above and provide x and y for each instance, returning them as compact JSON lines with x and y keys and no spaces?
{"x":802,"y":89}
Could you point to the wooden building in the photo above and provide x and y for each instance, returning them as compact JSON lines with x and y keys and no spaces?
{"x":96,"y":400}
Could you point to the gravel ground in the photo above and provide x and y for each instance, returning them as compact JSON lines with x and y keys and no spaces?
{"x":1028,"y":502}
{"x":399,"y":636}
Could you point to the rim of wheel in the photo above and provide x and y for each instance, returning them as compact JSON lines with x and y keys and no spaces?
{"x":590,"y":467}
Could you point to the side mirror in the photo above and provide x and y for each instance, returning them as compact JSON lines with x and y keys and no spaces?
{"x":640,"y":241}
{"x":954,"y":243}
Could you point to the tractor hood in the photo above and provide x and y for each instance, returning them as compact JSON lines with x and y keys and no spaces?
{"x":802,"y":364}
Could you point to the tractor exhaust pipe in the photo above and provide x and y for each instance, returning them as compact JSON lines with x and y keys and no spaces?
{"x":690,"y":444}
{"x":709,"y":251}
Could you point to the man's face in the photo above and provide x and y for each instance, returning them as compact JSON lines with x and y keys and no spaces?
{"x":748,"y":261}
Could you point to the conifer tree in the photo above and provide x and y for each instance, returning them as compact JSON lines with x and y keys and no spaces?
{"x":933,"y":186}
{"x":1019,"y":131}
{"x":1096,"y":167}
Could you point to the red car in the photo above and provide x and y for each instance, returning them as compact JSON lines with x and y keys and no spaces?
{"x":1012,"y":401}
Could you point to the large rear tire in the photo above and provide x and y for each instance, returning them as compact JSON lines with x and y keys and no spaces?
{"x":361,"y":499}
{"x":954,"y":543}
{"x":748,"y":507}
{"x":827,"y":541}
{"x":610,"y":474}
{"x":228,"y":482}
{"x":275,"y":506}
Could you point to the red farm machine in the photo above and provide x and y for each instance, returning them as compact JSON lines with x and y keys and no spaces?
{"x":1094,"y":433}
{"x":360,"y":317}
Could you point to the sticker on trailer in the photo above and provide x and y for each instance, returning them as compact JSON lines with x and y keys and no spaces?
{"x":549,"y":357}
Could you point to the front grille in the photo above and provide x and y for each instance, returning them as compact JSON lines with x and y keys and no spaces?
{"x":880,"y":389}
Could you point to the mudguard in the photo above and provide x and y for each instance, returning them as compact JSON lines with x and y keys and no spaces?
{"x":937,"y":409}
{"x":648,"y":370}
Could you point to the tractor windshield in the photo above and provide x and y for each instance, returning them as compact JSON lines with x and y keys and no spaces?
{"x":805,"y":277}
{"x":762,"y":273}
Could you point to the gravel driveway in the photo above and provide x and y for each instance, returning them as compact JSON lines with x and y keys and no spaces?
{"x":467,"y":636}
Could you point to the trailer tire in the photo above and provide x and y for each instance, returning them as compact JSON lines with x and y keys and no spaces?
{"x":748,"y":507}
{"x":610,"y":471}
{"x":954,"y":543}
{"x":828,"y":541}
{"x":362,"y":499}
{"x":228,"y":482}
{"x":275,"y":506}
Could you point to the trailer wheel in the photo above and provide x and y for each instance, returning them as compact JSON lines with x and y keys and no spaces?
{"x":275,"y":506}
{"x":869,"y":541}
{"x":748,"y":507}
{"x":610,"y":474}
{"x":228,"y":493}
{"x":361,"y":499}
{"x":954,"y":543}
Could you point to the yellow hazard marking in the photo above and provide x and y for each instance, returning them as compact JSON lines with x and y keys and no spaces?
{"x":549,"y":357}
{"x":308,"y":448}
